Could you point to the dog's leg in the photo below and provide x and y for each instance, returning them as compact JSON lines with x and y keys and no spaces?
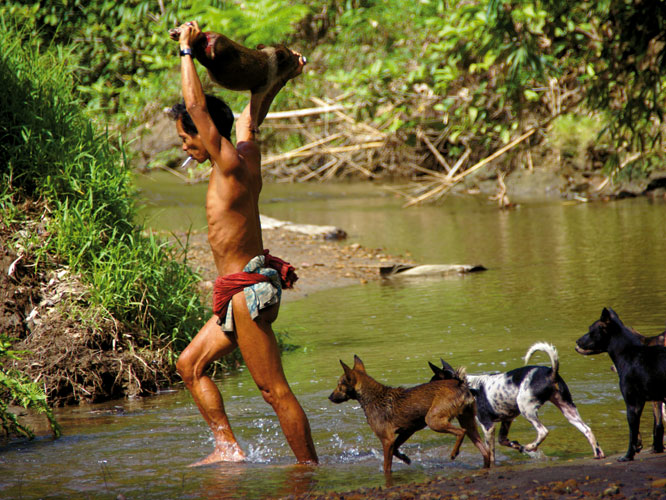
{"x":388,"y":444}
{"x":634,"y":410}
{"x":402,"y":437}
{"x":529,"y":407}
{"x":442,"y":423}
{"x":467,"y":421}
{"x":570,"y":412}
{"x":658,"y":428}
{"x":504,"y":437}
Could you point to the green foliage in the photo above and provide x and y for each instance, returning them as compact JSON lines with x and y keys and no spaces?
{"x":51,"y":151}
{"x":493,"y":65}
{"x":123,"y":48}
{"x":17,"y":389}
{"x":615,"y":51}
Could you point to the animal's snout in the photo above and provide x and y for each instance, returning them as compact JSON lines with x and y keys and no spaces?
{"x":338,"y":397}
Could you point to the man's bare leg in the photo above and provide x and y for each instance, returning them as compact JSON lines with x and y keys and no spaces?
{"x":207,"y":346}
{"x":262,"y":357}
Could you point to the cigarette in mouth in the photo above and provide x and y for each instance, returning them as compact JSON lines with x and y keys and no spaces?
{"x":187,"y":160}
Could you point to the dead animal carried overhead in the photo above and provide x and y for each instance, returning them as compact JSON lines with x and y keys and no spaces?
{"x":235,"y":67}
{"x":395,"y":413}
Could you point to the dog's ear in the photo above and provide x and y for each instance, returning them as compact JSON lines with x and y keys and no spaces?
{"x":348,"y":371}
{"x":358,"y":364}
{"x":605,"y":315}
{"x":435,"y":369}
{"x":446,"y":367}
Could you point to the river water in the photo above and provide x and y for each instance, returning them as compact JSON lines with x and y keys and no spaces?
{"x":552,"y":267}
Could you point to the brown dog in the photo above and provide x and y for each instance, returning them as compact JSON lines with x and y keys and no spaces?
{"x":235,"y":67}
{"x":395,"y":413}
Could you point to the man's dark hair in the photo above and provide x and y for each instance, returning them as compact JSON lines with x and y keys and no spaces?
{"x":222,"y":116}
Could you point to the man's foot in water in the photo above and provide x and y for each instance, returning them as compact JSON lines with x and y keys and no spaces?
{"x":224,"y":452}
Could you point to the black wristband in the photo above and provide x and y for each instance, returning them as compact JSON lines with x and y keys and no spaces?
{"x":185,"y":52}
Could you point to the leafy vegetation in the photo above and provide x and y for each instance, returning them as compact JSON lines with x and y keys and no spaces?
{"x":52,"y":154}
{"x":16,"y":388}
{"x":488,"y":68}
{"x":51,"y":151}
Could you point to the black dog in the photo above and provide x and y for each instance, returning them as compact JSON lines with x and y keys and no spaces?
{"x":657,"y":407}
{"x":642,"y":369}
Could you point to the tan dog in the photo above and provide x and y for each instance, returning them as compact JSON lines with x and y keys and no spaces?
{"x":395,"y":413}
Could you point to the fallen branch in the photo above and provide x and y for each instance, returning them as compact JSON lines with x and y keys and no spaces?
{"x":326,"y":108}
{"x":447,"y":185}
{"x":327,"y":151}
{"x":438,"y":156}
{"x":292,"y":153}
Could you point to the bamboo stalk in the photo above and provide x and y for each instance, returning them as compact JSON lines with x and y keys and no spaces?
{"x":433,"y":173}
{"x":349,"y":119}
{"x":496,"y":154}
{"x":445,"y":186}
{"x":438,"y":156}
{"x":326,"y":151}
{"x":314,"y":173}
{"x":459,"y":163}
{"x":324,"y":108}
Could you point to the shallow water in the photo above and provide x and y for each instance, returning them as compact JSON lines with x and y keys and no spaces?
{"x":551,"y":269}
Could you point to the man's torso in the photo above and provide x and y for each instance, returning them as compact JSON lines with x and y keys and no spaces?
{"x":232,"y":210}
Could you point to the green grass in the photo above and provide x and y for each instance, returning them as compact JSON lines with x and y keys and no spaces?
{"x":79,"y":185}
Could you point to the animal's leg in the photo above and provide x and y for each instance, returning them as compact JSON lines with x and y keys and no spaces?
{"x":530,"y":412}
{"x":504,"y":437}
{"x":634,"y":411}
{"x":442,"y":423}
{"x":467,"y":421}
{"x":570,"y":412}
{"x":402,"y":437}
{"x":256,"y":102}
{"x":488,"y":429}
{"x":658,"y":428}
{"x":388,"y":444}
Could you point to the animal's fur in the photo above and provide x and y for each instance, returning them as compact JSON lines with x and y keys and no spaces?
{"x":235,"y":67}
{"x":395,"y":413}
{"x":502,"y":397}
{"x":658,"y":408}
{"x":641,"y":369}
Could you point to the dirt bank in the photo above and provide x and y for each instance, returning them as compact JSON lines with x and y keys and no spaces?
{"x":645,"y":477}
{"x":77,"y":356}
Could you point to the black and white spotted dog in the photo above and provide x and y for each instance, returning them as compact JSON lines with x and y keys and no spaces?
{"x":502,"y":397}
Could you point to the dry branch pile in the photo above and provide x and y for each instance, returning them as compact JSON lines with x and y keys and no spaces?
{"x":338,"y":146}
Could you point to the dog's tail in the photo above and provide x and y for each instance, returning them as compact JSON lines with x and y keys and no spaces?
{"x":461,"y":376}
{"x":548,"y":349}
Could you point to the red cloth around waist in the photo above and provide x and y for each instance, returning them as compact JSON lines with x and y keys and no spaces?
{"x":231,"y":284}
{"x":228,"y":286}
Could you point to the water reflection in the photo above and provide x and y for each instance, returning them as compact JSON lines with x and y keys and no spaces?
{"x":551,"y":269}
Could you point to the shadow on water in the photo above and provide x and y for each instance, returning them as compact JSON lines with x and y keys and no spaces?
{"x":551,"y":269}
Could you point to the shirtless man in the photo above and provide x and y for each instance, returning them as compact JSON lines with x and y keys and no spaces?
{"x":234,"y":234}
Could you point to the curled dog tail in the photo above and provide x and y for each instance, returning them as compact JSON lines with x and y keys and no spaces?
{"x":548,"y":349}
{"x":461,"y":375}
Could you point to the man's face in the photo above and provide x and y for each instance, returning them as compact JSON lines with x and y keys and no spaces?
{"x":192,"y":144}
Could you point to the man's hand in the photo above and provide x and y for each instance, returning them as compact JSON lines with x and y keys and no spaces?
{"x":188,"y":34}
